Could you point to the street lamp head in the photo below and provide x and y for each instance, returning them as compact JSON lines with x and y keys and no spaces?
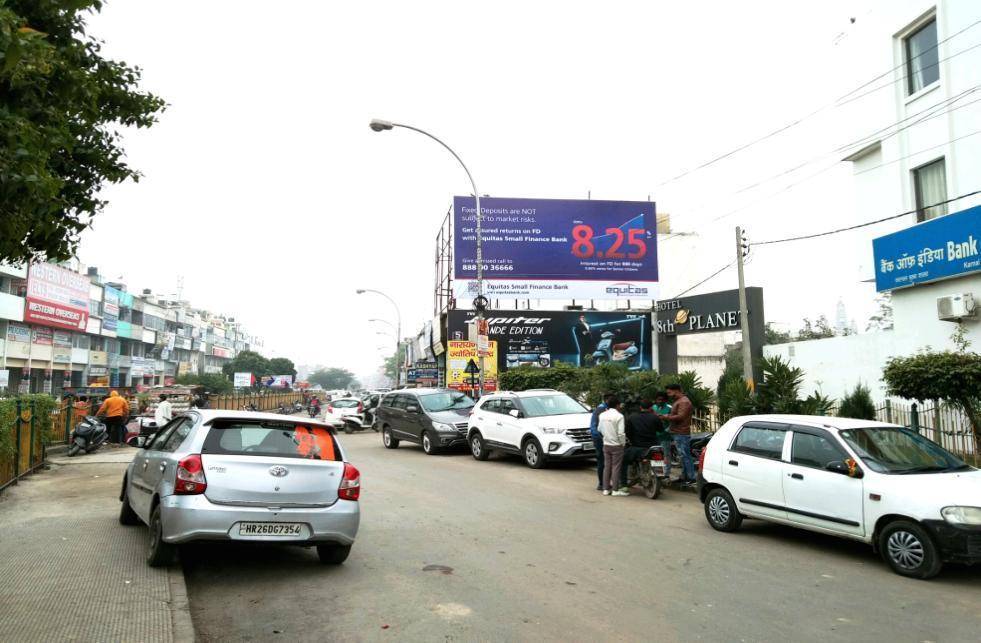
{"x":379,"y":125}
{"x":360,"y":291}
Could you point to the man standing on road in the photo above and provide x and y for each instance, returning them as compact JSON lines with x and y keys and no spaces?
{"x":642,"y":433}
{"x":598,"y":440}
{"x":662,"y":408}
{"x":611,"y":426}
{"x":680,"y":421}
{"x":164,"y":412}
{"x":114,"y":409}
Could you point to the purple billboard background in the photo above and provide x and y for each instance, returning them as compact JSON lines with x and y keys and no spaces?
{"x":534,"y":238}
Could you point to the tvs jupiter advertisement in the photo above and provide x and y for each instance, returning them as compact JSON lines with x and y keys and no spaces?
{"x":57,"y":297}
{"x":540,"y":339}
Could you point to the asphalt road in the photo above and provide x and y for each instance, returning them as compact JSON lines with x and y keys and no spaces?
{"x":455,"y":549}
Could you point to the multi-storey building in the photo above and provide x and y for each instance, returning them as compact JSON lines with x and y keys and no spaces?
{"x":61,"y":329}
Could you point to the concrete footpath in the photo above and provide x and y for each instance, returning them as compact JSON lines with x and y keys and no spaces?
{"x":70,"y":572}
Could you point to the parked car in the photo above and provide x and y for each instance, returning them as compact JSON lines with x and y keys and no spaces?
{"x":434,"y":418}
{"x":344,"y":406}
{"x":917,"y":504}
{"x":539,"y":425}
{"x":238,"y":475}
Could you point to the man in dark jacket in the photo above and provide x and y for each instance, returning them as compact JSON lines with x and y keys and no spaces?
{"x":643,"y":431}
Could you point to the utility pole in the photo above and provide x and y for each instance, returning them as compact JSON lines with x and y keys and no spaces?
{"x":742,"y":249}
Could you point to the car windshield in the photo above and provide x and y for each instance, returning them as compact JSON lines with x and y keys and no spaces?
{"x":542,"y":405}
{"x":446,"y":401}
{"x":900,"y":451}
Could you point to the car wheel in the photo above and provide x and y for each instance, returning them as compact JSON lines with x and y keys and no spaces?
{"x":348,"y":429}
{"x":333,"y":554}
{"x":388,"y":440}
{"x":160,"y":553}
{"x":532,"y":452}
{"x":477,"y":447}
{"x":429,"y":444}
{"x":721,"y":512}
{"x":909,"y":550}
{"x":126,"y":514}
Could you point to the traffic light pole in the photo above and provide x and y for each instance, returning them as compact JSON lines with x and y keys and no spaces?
{"x":742,"y":249}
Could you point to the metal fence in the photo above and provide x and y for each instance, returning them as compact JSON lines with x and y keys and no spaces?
{"x":27,"y":443}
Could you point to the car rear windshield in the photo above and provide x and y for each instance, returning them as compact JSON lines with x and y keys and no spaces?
{"x":274,"y":439}
{"x":445,"y":401}
{"x":542,"y":405}
{"x":896,"y":450}
{"x":344,"y":404}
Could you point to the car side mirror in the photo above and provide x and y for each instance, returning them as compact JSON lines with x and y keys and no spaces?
{"x":138,"y":441}
{"x":412,"y":408}
{"x":848,"y":468}
{"x":516,"y":414}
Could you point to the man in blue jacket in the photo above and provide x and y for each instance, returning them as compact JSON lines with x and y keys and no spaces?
{"x":598,"y":438}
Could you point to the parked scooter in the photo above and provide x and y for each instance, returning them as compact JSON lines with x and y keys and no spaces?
{"x":649,"y":472}
{"x":89,"y":435}
{"x":297,"y":406}
{"x":698,"y":442}
{"x":360,"y":421}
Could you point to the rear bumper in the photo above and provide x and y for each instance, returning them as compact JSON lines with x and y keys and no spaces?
{"x":957,"y":544}
{"x":189,"y":518}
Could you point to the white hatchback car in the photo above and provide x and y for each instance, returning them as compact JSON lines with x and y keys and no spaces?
{"x":913,"y":501}
{"x":540,"y":425}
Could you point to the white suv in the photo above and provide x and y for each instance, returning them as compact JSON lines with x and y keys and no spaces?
{"x":540,"y":425}
{"x":882,"y":484}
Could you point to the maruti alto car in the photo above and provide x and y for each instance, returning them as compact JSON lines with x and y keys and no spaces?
{"x":236,"y":475}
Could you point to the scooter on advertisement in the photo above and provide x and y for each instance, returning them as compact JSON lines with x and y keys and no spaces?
{"x":649,"y":473}
{"x":89,"y":435}
{"x":618,"y":353}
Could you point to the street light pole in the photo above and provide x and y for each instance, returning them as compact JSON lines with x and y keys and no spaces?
{"x":398,"y":331}
{"x":381,"y":126}
{"x":742,"y":249}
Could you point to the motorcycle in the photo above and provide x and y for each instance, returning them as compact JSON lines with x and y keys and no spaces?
{"x":313,"y":410}
{"x":698,"y":442}
{"x":89,"y":435}
{"x":360,"y":421}
{"x":297,"y":407}
{"x":649,"y":473}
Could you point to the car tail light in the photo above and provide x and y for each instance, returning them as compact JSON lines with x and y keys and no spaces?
{"x":190,"y":476}
{"x":360,"y":407}
{"x":330,"y":408}
{"x":350,"y":488}
{"x":701,"y":458}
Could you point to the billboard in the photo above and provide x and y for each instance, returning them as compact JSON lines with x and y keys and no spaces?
{"x":242,"y":380}
{"x":278,"y":381}
{"x":57,"y":297}
{"x":940,"y":248}
{"x":556,"y":248}
{"x":458,"y":355}
{"x":542,"y":338}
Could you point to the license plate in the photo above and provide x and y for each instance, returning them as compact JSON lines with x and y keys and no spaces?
{"x":269,"y":529}
{"x":588,"y":446}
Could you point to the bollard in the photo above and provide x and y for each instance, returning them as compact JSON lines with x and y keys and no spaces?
{"x":914,"y":418}
{"x":888,"y":411}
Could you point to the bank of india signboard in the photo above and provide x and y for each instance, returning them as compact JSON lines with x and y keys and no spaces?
{"x":556,"y":249}
{"x":940,"y":248}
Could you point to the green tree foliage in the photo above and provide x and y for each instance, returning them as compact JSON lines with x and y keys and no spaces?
{"x":212,"y":382}
{"x":60,"y":105}
{"x":816,"y":330}
{"x":948,"y":376}
{"x":882,"y":318}
{"x":778,"y":392}
{"x":332,"y":378}
{"x":281,"y":366}
{"x":392,"y":364}
{"x":773,"y":335}
{"x":858,"y":404}
{"x":248,"y":362}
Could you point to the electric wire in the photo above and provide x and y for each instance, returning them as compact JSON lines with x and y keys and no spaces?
{"x":709,"y":278}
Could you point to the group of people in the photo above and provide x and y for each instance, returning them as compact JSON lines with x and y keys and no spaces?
{"x":115,"y":412}
{"x":621,"y":441}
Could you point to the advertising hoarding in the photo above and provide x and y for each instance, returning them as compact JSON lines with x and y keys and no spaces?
{"x":557,"y":248}
{"x":42,"y":336}
{"x":458,"y":355}
{"x":242,"y":380}
{"x":940,"y":248}
{"x":542,"y":338}
{"x":18,"y":333}
{"x":278,"y":381}
{"x":57,"y":297}
{"x":62,"y":342}
{"x":423,"y":374}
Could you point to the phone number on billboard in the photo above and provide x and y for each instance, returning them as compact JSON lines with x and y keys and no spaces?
{"x":489,"y":267}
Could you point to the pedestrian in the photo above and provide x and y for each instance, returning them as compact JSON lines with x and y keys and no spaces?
{"x":611,"y":426}
{"x":115,"y":408}
{"x":598,"y":440}
{"x":164,"y":412}
{"x":662,"y":407}
{"x":680,"y":427}
{"x":643,"y":430}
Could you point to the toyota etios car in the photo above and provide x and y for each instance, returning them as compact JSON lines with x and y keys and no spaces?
{"x":234,"y":475}
{"x":885,"y":485}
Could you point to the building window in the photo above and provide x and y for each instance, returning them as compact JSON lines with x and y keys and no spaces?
{"x":922,"y":59}
{"x":930,"y":187}
{"x":80,"y":341}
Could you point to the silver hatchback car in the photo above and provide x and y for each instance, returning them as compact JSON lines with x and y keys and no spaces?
{"x":235,"y":475}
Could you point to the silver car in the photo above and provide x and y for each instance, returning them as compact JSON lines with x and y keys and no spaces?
{"x":236,"y":475}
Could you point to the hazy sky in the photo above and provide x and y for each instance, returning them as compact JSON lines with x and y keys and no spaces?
{"x":265,"y":189}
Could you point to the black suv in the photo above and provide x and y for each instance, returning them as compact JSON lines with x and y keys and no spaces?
{"x":436,"y":418}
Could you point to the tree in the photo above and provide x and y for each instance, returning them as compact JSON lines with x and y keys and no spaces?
{"x":858,"y":404}
{"x":60,"y":103}
{"x":948,"y":376}
{"x":882,"y":319}
{"x":281,"y":366}
{"x":249,"y":362}
{"x":392,"y":365}
{"x":817,"y":330}
{"x":212,"y":382}
{"x":773,"y":336}
{"x":332,"y":378}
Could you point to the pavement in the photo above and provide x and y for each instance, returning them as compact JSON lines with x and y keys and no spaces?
{"x":71,"y":572}
{"x":454,"y":549}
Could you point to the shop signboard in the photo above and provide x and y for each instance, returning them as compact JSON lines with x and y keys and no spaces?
{"x":540,"y":339}
{"x":242,"y":380}
{"x":62,"y":346}
{"x":18,"y":333}
{"x":940,"y":248}
{"x":458,"y":356}
{"x":423,"y":374}
{"x":556,"y":249}
{"x":98,"y":376}
{"x":41,"y":336}
{"x":57,"y":297}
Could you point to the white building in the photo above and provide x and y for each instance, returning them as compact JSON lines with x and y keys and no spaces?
{"x":927,"y":112}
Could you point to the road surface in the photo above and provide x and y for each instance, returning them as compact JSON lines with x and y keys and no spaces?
{"x":455,"y":549}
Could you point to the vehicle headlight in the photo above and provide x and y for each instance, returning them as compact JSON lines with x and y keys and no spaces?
{"x":962,"y":515}
{"x":551,"y":430}
{"x":446,"y":428}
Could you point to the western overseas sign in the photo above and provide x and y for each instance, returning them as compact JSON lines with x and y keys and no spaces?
{"x":940,"y":248}
{"x":556,"y":248}
{"x":56,"y":297}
